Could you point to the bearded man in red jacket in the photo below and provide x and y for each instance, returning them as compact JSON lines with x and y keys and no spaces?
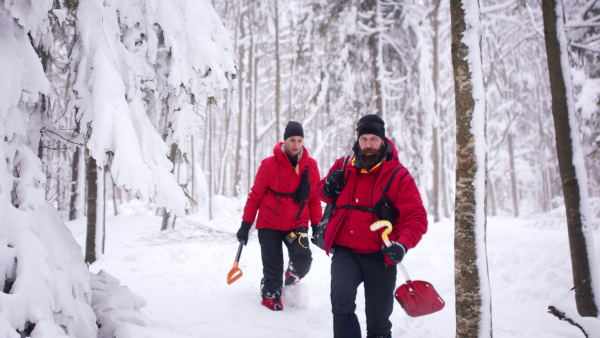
{"x":372,"y":186}
{"x":285,"y":198}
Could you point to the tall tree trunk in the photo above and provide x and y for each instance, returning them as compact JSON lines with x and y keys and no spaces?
{"x":166,"y":214}
{"x":492,"y":199}
{"x":513,"y":176}
{"x":237,"y":181}
{"x":277,"y":75}
{"x":193,"y":206}
{"x":224,"y":153}
{"x":92,"y":210}
{"x":73,"y":212}
{"x":436,"y":153}
{"x":114,"y":198}
{"x":376,"y":57}
{"x":473,"y":300}
{"x":568,"y":151}
{"x":211,"y":161}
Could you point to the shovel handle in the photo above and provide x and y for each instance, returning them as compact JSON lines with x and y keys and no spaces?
{"x":381,"y":224}
{"x":239,"y":252}
{"x":404,"y":272}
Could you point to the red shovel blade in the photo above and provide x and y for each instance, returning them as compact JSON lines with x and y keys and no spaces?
{"x":418,"y":298}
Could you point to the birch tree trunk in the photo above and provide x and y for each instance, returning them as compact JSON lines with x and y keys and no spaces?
{"x":569,"y":155}
{"x":277,"y":75}
{"x":436,"y":152}
{"x":237,"y":181}
{"x":473,"y":301}
{"x":513,"y":176}
{"x":375,"y":48}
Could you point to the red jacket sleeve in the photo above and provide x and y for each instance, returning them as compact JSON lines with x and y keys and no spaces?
{"x":257,"y":192}
{"x":411,"y":224}
{"x":314,"y":204}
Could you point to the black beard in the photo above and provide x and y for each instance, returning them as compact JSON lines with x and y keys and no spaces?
{"x":371,"y":157}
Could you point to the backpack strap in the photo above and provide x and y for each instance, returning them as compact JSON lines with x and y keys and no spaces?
{"x":306,"y":178}
{"x":282,"y":194}
{"x":346,"y":160}
{"x":387,"y":187}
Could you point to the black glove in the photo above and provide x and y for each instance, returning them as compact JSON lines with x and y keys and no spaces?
{"x":302,"y":230}
{"x":242,"y":234}
{"x":333,"y":184}
{"x":313,"y":237}
{"x":395,"y":252}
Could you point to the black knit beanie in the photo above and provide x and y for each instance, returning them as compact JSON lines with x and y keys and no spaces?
{"x":293,"y":128}
{"x":371,"y":124}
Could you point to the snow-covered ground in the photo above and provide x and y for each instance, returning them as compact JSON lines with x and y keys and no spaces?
{"x":182,"y":276}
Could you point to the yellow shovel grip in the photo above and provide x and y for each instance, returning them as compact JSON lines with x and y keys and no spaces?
{"x":380,"y":224}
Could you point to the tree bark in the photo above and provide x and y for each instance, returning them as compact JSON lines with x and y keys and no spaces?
{"x":277,"y":75}
{"x":467,"y":271}
{"x":582,"y":278}
{"x":92,"y":210}
{"x":240,"y":77}
{"x":211,"y":161}
{"x":73,"y":212}
{"x":436,"y":152}
{"x":166,"y":214}
{"x":513,"y":176}
{"x":374,"y":47}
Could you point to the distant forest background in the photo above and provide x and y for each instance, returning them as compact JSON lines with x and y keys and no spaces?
{"x":326,"y":63}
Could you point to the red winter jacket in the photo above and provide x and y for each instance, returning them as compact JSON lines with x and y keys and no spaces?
{"x":277,"y":174}
{"x":351,"y":228}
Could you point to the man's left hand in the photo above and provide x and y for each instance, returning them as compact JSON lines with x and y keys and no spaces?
{"x":395,"y":252}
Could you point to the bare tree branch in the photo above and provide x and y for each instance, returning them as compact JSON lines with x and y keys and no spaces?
{"x":561,"y":315}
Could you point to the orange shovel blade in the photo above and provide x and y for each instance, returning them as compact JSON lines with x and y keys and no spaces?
{"x":234,"y":274}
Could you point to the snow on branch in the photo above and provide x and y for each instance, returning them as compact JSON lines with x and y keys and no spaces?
{"x":498,"y":7}
{"x":134,"y":61}
{"x":587,"y":23}
{"x":583,"y":46}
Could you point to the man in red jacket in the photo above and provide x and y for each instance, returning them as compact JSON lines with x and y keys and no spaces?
{"x":285,"y":198}
{"x":372,"y":186}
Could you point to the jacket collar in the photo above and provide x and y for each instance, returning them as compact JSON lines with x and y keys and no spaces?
{"x":282,"y":156}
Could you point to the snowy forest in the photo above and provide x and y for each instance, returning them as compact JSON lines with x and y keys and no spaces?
{"x":175,"y":103}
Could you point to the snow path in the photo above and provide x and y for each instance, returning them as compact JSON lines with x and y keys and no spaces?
{"x":185,"y":286}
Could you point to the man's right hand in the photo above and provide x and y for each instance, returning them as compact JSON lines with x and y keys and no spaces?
{"x":242,"y":234}
{"x":333,"y":184}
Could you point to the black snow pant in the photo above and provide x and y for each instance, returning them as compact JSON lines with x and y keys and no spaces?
{"x":300,"y":259}
{"x":348,"y":271}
